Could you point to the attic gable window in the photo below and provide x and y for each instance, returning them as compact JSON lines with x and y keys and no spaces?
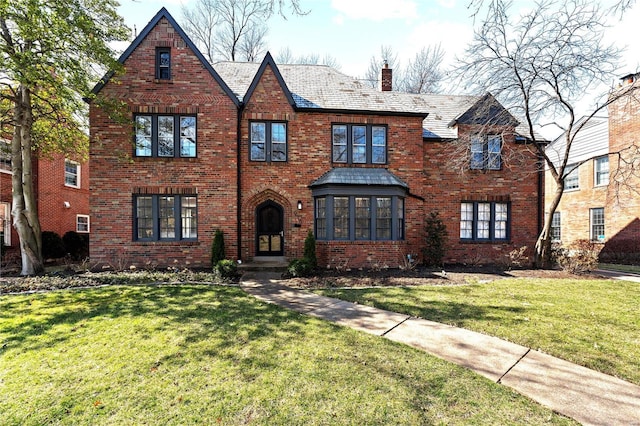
{"x":163,"y":63}
{"x":486,"y":152}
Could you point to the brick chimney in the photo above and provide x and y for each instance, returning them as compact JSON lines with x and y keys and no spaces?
{"x":387,"y":78}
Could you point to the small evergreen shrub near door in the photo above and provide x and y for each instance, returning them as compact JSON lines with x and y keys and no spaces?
{"x":310,"y":250}
{"x":436,"y":238}
{"x":52,"y":245}
{"x":217,"y":248}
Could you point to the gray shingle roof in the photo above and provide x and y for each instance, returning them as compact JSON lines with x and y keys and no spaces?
{"x":359,"y":176}
{"x":320,"y":87}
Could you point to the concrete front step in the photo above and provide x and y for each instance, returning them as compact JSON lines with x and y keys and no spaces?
{"x":265,"y":263}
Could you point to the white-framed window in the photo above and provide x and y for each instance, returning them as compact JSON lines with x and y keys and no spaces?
{"x":556,"y":226}
{"x":601,"y":171}
{"x":5,"y":156}
{"x":5,"y":223}
{"x":572,"y":177}
{"x":71,"y":174}
{"x":596,"y":217}
{"x":82,"y":223}
{"x":484,"y":221}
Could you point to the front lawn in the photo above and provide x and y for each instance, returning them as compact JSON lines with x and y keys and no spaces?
{"x":595,"y":323}
{"x":185,"y":354}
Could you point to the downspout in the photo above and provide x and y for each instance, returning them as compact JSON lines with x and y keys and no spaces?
{"x":239,"y":180}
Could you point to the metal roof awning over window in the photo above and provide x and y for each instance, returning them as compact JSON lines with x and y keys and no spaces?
{"x":360,"y":180}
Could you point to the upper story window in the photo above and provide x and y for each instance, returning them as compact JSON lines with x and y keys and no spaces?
{"x":268,"y":140}
{"x":486,"y":152}
{"x":165,"y":135}
{"x":359,"y":144}
{"x":165,"y":217}
{"x":601,"y":171}
{"x":163,"y":63}
{"x":71,"y":174}
{"x":572,"y":177}
{"x":5,"y":156}
{"x":484,"y":221}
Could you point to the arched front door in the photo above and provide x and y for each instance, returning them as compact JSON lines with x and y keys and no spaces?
{"x":270,"y":229}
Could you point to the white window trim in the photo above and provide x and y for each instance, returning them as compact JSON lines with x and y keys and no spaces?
{"x":78,"y":216}
{"x":78,"y":173}
{"x":595,"y":171}
{"x":7,"y":225}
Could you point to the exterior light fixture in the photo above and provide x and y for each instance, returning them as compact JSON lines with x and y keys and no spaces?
{"x":299,"y":205}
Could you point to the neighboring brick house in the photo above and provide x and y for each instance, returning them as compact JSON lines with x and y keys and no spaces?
{"x":62,"y":193}
{"x":267,"y":152}
{"x":599,"y":203}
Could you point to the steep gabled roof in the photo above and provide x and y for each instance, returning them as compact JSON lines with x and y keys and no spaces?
{"x":163,"y":13}
{"x":486,"y":111}
{"x":318,"y":88}
{"x":269,"y":62}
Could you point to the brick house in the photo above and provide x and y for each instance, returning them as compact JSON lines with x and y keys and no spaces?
{"x":600,"y":203}
{"x":62,"y":192}
{"x":267,"y":152}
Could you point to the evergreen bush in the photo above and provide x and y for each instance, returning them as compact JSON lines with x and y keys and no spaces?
{"x":52,"y":245}
{"x":217,"y":248}
{"x":436,"y":239}
{"x":310,"y":250}
{"x":77,"y":245}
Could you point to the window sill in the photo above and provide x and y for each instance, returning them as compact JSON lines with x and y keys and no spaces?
{"x":167,"y":243}
{"x":71,"y":186}
{"x":163,"y":81}
{"x":485,"y":241}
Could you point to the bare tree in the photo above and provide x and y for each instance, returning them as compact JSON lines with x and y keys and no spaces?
{"x":252,"y":46}
{"x":423,"y":74}
{"x":539,"y":65}
{"x":286,"y":56}
{"x":233,"y":29}
{"x":388,"y":56}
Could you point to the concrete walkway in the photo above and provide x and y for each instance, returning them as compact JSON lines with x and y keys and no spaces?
{"x":587,"y":396}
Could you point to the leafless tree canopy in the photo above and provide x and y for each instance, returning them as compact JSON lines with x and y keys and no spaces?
{"x":539,"y":65}
{"x":231,"y":29}
{"x":388,"y":56}
{"x":423,"y":74}
{"x":286,"y":56}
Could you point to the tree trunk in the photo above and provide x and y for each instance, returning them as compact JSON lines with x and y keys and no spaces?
{"x":25,"y":207}
{"x":543,"y":244}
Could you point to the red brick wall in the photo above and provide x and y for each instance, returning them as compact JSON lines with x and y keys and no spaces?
{"x":449,"y":182}
{"x":116,"y":175}
{"x":52,"y":194}
{"x":309,"y":157}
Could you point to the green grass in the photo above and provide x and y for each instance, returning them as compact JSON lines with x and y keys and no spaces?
{"x":595,"y":323}
{"x":618,"y":267}
{"x":209,"y":354}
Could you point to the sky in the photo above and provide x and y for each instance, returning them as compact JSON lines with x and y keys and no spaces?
{"x":352,"y":31}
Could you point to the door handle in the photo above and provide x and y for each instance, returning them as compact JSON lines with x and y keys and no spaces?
{"x":282,"y":233}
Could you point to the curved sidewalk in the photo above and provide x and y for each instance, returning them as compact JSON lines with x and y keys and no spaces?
{"x":585,"y":395}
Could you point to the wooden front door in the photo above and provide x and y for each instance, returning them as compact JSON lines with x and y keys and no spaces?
{"x":270,"y":229}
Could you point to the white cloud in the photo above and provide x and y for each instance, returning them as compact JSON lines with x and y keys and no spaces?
{"x":453,"y":37}
{"x":338,"y":19}
{"x":376,"y":10}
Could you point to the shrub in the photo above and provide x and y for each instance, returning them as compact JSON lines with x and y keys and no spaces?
{"x":226,"y":269}
{"x":217,"y":248}
{"x":310,"y":250}
{"x":299,"y":267}
{"x":77,"y":245}
{"x":436,"y":239}
{"x":578,"y":257}
{"x":52,"y":245}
